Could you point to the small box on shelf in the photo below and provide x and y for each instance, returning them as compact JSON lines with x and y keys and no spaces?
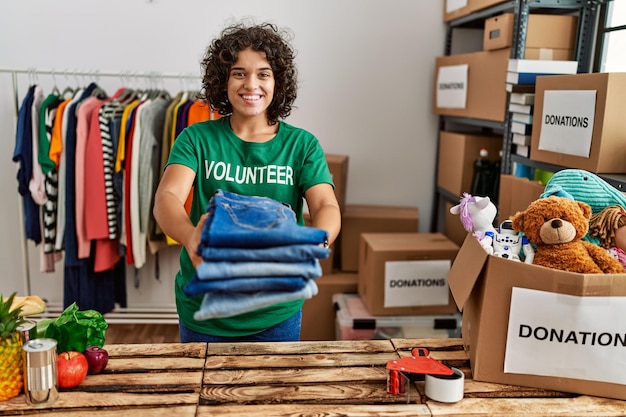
{"x":548,"y":37}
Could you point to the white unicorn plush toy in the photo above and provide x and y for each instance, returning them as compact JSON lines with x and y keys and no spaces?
{"x":477,"y":215}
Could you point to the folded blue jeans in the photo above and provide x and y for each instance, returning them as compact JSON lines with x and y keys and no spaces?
{"x":240,"y":221}
{"x":244,"y":285}
{"x":287,"y":253}
{"x":225,"y":304}
{"x":222,"y":270}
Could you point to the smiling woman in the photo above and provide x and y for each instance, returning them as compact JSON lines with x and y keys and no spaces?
{"x":250,"y":152}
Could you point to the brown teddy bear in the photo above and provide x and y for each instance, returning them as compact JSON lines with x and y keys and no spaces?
{"x":556,"y":226}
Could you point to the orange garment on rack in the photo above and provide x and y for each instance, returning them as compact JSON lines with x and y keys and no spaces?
{"x":56,"y":138}
{"x":198,"y":112}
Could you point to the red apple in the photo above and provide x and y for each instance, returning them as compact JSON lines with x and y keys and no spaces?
{"x":97,"y":358}
{"x":72,"y":369}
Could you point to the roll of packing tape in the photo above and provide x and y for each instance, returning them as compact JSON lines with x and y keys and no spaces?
{"x":445,"y":388}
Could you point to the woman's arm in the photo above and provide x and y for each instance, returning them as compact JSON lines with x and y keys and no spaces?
{"x":169,"y":209}
{"x":324,"y":209}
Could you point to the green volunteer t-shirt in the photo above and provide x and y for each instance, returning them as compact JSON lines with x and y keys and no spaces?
{"x":282,"y":169}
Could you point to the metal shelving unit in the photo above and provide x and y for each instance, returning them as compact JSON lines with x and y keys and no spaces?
{"x":587,"y":10}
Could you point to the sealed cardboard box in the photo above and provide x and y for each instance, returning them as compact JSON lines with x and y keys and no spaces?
{"x":540,"y":327}
{"x":318,"y":313}
{"x":406,"y":273}
{"x":544,"y":33}
{"x":516,"y":194}
{"x":338,"y":166}
{"x":457,"y":154}
{"x":579,"y":121}
{"x":362,"y":218}
{"x":472,"y":85}
{"x":353,"y":322}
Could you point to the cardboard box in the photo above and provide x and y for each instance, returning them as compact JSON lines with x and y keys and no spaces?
{"x":405,"y":273}
{"x":453,"y":228}
{"x":550,"y":54}
{"x":353,"y":322}
{"x":579,"y":121}
{"x":361,"y":218}
{"x":318,"y":313}
{"x":484,"y":287}
{"x":477,"y":93}
{"x":457,"y":154}
{"x":545,"y":32}
{"x":455,"y":9}
{"x":477,"y":5}
{"x":338,"y":166}
{"x":516,"y":194}
{"x":551,"y":31}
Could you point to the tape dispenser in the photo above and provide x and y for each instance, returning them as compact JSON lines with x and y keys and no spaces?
{"x":442,"y":383}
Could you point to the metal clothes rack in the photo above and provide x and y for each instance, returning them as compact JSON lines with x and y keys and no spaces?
{"x":136,"y":315}
{"x":151,"y":75}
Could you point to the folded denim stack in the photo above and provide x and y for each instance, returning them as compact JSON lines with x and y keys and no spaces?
{"x":254,"y":254}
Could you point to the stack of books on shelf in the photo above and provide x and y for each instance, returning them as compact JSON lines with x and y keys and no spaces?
{"x":522,"y":73}
{"x":520,"y":83}
{"x":521,"y":106}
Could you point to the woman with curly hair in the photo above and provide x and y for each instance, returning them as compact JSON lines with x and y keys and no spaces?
{"x":251,"y":80}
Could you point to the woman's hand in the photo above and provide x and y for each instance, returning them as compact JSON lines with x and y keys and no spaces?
{"x":194,"y":242}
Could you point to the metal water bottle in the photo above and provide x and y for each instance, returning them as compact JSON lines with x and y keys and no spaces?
{"x":40,"y":371}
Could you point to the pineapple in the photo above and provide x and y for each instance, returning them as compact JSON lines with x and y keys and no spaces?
{"x":11,"y":373}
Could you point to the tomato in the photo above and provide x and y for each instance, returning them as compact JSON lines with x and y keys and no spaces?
{"x":72,"y":369}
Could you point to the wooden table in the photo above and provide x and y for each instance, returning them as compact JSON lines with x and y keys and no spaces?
{"x":290,"y":379}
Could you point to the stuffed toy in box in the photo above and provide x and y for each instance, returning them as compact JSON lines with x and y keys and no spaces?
{"x":556,"y":226}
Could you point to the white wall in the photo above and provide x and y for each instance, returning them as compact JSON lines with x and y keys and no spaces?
{"x":366,"y":72}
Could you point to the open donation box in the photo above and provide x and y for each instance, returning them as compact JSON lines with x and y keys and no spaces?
{"x":539,"y":327}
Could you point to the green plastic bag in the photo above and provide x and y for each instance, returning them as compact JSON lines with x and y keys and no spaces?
{"x":74,"y":329}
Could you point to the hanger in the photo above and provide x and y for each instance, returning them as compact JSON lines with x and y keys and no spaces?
{"x":55,"y":89}
{"x":67,"y":90}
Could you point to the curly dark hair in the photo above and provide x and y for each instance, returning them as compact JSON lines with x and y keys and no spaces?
{"x":222,"y":53}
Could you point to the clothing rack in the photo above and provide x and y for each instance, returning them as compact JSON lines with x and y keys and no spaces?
{"x":151,"y":75}
{"x":140,"y":315}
